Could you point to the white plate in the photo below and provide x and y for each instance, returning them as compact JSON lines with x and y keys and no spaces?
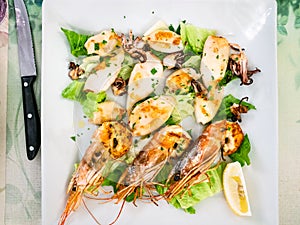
{"x":251,"y":23}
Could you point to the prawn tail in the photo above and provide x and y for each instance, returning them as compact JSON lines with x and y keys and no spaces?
{"x":72,"y":204}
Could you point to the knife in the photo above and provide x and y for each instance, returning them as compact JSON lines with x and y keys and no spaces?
{"x":28,"y":75}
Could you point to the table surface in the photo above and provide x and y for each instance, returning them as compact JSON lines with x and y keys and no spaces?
{"x":20,"y":180}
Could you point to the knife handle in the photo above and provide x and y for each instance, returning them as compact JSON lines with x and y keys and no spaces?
{"x":31,"y":118}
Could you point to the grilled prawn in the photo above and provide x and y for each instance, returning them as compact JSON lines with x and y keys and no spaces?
{"x":202,"y":155}
{"x":166,"y":144}
{"x":110,"y":141}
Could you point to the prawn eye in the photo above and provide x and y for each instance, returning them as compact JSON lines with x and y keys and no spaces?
{"x":74,"y":188}
{"x":177,"y":176}
{"x":226,"y":140}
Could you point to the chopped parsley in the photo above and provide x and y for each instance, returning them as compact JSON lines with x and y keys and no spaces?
{"x":96,"y":46}
{"x":190,"y":132}
{"x":133,"y":125}
{"x":73,"y":138}
{"x":171,"y":28}
{"x":209,"y":88}
{"x":154,"y":71}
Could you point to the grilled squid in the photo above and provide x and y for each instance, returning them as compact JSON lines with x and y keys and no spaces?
{"x":151,"y":114}
{"x":213,"y":67}
{"x":144,"y":79}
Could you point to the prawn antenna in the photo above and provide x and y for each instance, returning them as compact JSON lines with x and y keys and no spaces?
{"x":91,"y":214}
{"x":120,"y":211}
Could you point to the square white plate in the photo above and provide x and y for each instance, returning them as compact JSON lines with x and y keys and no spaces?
{"x":250,"y":23}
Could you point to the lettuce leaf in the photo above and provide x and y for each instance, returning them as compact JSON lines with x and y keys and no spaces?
{"x":76,"y":42}
{"x":160,"y":55}
{"x":113,"y":177}
{"x":174,"y":119}
{"x":194,"y":37}
{"x":184,"y":104}
{"x":127,"y":67}
{"x":201,"y":191}
{"x":193,"y":62}
{"x":125,"y":72}
{"x":74,"y":91}
{"x":228,"y":77}
{"x":224,"y":111}
{"x":90,"y":104}
{"x":184,"y":108}
{"x":241,"y":155}
{"x":197,"y":192}
{"x":89,"y":101}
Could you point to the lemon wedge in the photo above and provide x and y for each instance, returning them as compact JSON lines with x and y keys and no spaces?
{"x":235,"y":189}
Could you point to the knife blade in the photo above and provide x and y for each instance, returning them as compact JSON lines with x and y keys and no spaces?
{"x":28,"y":75}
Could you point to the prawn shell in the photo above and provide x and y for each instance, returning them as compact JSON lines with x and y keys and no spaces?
{"x":167,"y":144}
{"x":204,"y":151}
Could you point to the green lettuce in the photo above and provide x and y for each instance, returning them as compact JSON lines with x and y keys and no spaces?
{"x":228,"y":77}
{"x":184,"y":108}
{"x":174,"y":119}
{"x":201,"y":191}
{"x":112,"y":171}
{"x":197,"y":192}
{"x":74,"y":91}
{"x":76,"y":42}
{"x":160,"y":55}
{"x":224,"y":111}
{"x":125,"y":72}
{"x":127,"y":67}
{"x":89,"y":101}
{"x":241,"y":155}
{"x":114,"y":175}
{"x":194,"y":37}
{"x":162,"y":177}
{"x":193,"y":62}
{"x":90,"y":104}
{"x":184,"y":104}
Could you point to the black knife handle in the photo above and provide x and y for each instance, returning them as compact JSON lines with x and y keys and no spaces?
{"x":31,"y":118}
